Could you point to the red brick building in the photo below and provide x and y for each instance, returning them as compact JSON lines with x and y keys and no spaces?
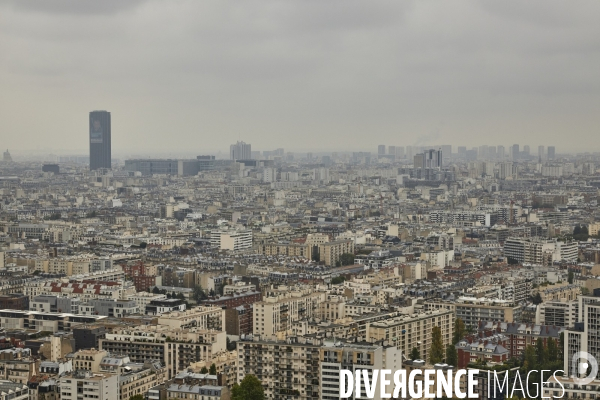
{"x":239,"y":317}
{"x":137,"y":273}
{"x":131,"y":270}
{"x":142,"y":283}
{"x":239,"y":320}
{"x":235,"y":300}
{"x":15,"y":301}
{"x":520,"y":335}
{"x":489,"y":349}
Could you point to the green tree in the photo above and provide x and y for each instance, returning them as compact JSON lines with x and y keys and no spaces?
{"x":436,"y":353}
{"x":337,"y":280}
{"x":220,"y":289}
{"x":249,"y":389}
{"x":204,"y":370}
{"x":512,"y":261}
{"x":581,"y":233}
{"x":459,"y":330}
{"x":198,"y":294}
{"x":415,"y":354}
{"x":537,"y":299}
{"x":231,"y":345}
{"x":585,"y":291}
{"x":137,"y":397}
{"x":347,"y":259}
{"x":541,"y":351}
{"x":213,"y":369}
{"x":451,"y":355}
{"x":571,"y":276}
{"x":552,"y":350}
{"x":530,"y":358}
{"x":561,"y":345}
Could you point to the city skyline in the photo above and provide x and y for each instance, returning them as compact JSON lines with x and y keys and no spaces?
{"x":384,"y":72}
{"x":269,"y":199}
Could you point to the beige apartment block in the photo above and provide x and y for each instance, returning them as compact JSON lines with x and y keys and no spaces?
{"x":409,"y":331}
{"x":275,"y":314}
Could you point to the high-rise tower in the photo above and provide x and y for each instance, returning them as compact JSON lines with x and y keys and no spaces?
{"x":99,"y":140}
{"x":240,"y":151}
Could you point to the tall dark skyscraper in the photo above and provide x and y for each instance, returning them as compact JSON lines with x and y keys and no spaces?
{"x":515,"y":152}
{"x":99,"y":140}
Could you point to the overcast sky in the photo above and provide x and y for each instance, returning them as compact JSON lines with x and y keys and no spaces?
{"x":306,"y":74}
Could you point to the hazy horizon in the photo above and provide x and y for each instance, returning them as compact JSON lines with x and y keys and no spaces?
{"x":306,"y":76}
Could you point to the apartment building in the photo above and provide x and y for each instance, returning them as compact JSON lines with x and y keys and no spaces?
{"x":74,"y":265}
{"x":88,"y":336}
{"x":275,"y":314}
{"x":176,"y":348}
{"x":413,"y":331}
{"x":560,"y":292}
{"x":164,"y":306}
{"x":189,"y":385}
{"x":15,"y":301}
{"x":529,"y":250}
{"x":202,"y":317}
{"x":316,"y":239}
{"x":51,"y":303}
{"x":489,"y":349}
{"x":205,"y":392}
{"x":238,"y":288}
{"x":86,"y":290}
{"x":234,"y":299}
{"x":330,"y":252}
{"x":564,"y":387}
{"x":332,"y":309}
{"x":472,"y":310}
{"x":287,"y":249}
{"x":558,"y":313}
{"x":584,"y":336}
{"x":286,"y":369}
{"x":110,"y":308}
{"x":139,"y":381}
{"x":516,"y":290}
{"x":539,"y":251}
{"x":43,"y":321}
{"x":335,"y":356}
{"x":520,"y":335}
{"x":88,"y":360}
{"x":142,"y":299}
{"x":19,"y":371}
{"x":97,"y":386}
{"x":233,"y":239}
{"x":460,"y":218}
{"x":10,"y":390}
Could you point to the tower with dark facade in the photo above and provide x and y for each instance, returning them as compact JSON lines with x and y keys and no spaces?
{"x":99,"y":140}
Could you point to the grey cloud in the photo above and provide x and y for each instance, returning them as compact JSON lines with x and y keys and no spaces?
{"x":78,"y":7}
{"x":305,"y":74}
